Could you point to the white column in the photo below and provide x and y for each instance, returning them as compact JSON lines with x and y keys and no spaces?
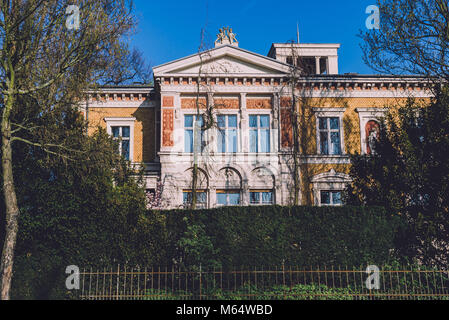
{"x":212,"y":197}
{"x":245,"y":193}
{"x":244,"y":129}
{"x":317,"y":65}
{"x":275,"y":123}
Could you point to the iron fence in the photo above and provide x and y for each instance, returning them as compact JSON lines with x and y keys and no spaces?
{"x":257,"y":283}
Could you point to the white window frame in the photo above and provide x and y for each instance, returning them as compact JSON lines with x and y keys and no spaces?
{"x":238,"y":128}
{"x":123,"y":122}
{"x":329,"y":181}
{"x":200,"y":205}
{"x":259,"y":191}
{"x":331,"y":204}
{"x":227,"y":192}
{"x":366,"y":115}
{"x":205,"y":138}
{"x":329,"y":113}
{"x":258,"y":114}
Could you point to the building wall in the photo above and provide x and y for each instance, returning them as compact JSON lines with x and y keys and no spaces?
{"x":145,"y":131}
{"x":316,"y":171}
{"x":160,"y":122}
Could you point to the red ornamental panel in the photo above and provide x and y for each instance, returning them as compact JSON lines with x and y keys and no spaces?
{"x":286,"y":128}
{"x":168,"y":101}
{"x":167,"y":128}
{"x":286,"y":123}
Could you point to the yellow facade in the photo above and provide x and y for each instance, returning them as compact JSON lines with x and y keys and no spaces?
{"x":144,"y":128}
{"x":351,"y":131}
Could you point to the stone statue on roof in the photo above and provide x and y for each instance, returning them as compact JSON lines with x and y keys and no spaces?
{"x":226,"y":36}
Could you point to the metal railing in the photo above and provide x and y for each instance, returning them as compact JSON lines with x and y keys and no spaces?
{"x":257,"y":283}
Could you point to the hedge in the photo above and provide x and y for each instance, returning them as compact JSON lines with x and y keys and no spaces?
{"x":229,"y":237}
{"x":272,"y":235}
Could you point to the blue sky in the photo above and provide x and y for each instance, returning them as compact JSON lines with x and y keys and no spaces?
{"x":170,"y":29}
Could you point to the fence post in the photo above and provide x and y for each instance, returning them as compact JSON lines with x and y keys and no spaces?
{"x":283,"y":277}
{"x":118,"y":280}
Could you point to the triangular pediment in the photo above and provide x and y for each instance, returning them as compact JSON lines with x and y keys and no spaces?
{"x":225,"y":60}
{"x":226,"y":64}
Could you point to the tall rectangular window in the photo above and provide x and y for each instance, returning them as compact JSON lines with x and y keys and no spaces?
{"x":122,"y":134}
{"x":227,"y":133}
{"x":329,"y":136}
{"x":228,"y":197}
{"x":259,"y":133}
{"x":190,"y":121}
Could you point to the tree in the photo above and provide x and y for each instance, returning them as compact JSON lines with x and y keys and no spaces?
{"x":408,"y":173}
{"x":413,"y":38}
{"x":47,"y":66}
{"x":89,"y":212}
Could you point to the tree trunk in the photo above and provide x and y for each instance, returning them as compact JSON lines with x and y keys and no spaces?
{"x":294,"y":118}
{"x":12,"y":209}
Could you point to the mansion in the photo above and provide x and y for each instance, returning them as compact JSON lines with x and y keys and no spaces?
{"x":245,"y":156}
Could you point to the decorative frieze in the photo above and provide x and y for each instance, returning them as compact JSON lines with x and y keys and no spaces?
{"x":258,"y":103}
{"x":227,"y":103}
{"x":190,"y":103}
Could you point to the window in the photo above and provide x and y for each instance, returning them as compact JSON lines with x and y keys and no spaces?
{"x":201,"y":198}
{"x":330,"y":198}
{"x":122,"y":130}
{"x":227,"y":133}
{"x":328,"y":186}
{"x":261,"y":197}
{"x":259,"y":134}
{"x":228,"y":197}
{"x":189,"y":133}
{"x":329,"y":136}
{"x":307,"y":64}
{"x":122,"y":134}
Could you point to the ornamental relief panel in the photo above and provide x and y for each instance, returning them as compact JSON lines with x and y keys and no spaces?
{"x":286,"y":102}
{"x":264,"y":103}
{"x":168,"y":101}
{"x":168,"y":126}
{"x":227,"y":103}
{"x":190,"y":103}
{"x":286,"y":128}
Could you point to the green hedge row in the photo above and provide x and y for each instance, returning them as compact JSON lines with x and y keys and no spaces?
{"x":227,"y":237}
{"x":270,"y":236}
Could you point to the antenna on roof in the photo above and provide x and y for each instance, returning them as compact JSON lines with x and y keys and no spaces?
{"x":297,"y":32}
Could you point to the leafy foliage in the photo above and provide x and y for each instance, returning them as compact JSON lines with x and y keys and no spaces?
{"x":272,"y":235}
{"x":89,"y":211}
{"x":409,"y":174}
{"x":413,"y":38}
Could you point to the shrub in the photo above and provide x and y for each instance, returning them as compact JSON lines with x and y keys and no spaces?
{"x":298,"y":236}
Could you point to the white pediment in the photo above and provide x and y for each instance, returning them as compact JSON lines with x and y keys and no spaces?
{"x":221,"y":61}
{"x":226,"y":64}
